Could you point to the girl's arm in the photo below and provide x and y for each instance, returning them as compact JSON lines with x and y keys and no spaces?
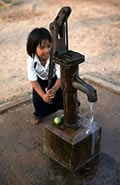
{"x":39,"y":90}
{"x":57,"y":85}
{"x":51,"y":92}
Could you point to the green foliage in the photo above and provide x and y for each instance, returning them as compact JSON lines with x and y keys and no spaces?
{"x":7,"y":1}
{"x":5,"y":4}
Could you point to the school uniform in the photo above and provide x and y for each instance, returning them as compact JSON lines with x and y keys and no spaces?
{"x":37,"y":72}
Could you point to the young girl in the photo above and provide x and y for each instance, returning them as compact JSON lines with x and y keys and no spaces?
{"x":45,"y":101}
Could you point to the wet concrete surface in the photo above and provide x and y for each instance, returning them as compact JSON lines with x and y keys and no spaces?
{"x":23,"y":162}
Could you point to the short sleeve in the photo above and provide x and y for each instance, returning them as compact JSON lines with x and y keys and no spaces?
{"x":31,"y":73}
{"x":58,"y":70}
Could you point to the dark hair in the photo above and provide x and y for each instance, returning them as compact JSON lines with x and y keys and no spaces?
{"x":35,"y":37}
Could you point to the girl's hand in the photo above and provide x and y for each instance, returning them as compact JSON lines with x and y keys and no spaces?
{"x":51,"y":93}
{"x":46,"y":98}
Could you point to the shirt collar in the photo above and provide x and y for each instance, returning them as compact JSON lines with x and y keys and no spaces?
{"x":36,"y":59}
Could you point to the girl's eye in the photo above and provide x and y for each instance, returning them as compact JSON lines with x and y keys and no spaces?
{"x":42,"y":47}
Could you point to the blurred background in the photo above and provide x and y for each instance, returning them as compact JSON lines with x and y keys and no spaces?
{"x":94,"y":30}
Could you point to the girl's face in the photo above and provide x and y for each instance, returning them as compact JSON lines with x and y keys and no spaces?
{"x":43,"y":50}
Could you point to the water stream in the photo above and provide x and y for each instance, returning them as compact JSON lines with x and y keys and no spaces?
{"x":90,"y":119}
{"x":91,"y":107}
{"x":91,"y":126}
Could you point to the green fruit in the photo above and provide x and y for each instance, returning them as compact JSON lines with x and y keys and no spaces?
{"x":57,"y":120}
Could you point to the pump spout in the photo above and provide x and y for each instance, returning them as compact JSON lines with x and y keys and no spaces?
{"x":81,"y":85}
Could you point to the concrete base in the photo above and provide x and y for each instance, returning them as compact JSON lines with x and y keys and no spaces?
{"x":72,"y":148}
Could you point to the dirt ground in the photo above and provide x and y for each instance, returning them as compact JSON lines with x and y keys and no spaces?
{"x":22,"y":160}
{"x":94,"y":30}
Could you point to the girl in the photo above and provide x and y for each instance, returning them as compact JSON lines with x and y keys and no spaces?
{"x":45,"y":101}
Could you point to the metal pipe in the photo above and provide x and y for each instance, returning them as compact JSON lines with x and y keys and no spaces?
{"x":81,"y":85}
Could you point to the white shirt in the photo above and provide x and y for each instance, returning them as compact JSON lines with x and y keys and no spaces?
{"x":40,"y":70}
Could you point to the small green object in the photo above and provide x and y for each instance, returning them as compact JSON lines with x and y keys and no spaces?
{"x":57,"y":120}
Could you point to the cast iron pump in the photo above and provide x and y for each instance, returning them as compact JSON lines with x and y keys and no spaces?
{"x":68,"y":60}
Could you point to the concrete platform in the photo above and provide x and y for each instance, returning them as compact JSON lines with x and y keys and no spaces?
{"x":72,"y":148}
{"x":22,"y":160}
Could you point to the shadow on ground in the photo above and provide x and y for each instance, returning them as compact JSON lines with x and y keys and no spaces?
{"x":22,"y":160}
